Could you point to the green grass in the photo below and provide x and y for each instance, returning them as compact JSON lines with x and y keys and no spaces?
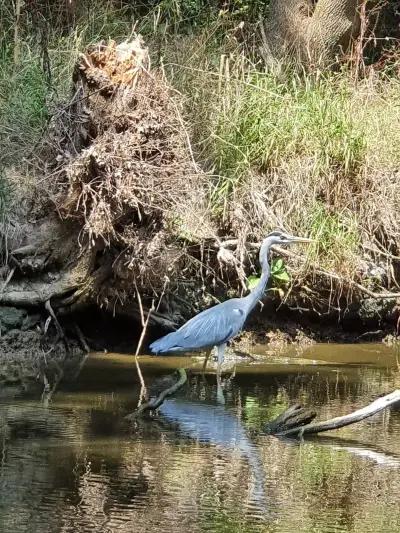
{"x":23,"y":111}
{"x":27,"y":96}
{"x":267,"y":122}
{"x":324,"y":151}
{"x":336,"y":235}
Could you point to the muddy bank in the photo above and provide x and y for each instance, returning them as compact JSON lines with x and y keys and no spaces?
{"x":279,"y":325}
{"x":34,"y":357}
{"x":32,"y":352}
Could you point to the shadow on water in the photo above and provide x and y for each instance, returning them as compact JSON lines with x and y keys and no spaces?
{"x":200,"y":466}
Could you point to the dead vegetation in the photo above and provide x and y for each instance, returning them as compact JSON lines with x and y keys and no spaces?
{"x":121,"y":176}
{"x":127,"y":188}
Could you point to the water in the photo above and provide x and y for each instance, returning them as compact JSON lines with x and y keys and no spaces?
{"x":75,"y":466}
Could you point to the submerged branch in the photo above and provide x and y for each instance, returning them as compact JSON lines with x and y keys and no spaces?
{"x":283,"y":425}
{"x":154,"y":403}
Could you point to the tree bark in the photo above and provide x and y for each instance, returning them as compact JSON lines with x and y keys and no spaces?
{"x":312,"y":34}
{"x":332,"y":26}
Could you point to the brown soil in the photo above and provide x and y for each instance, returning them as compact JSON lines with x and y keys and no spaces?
{"x":29,"y":359}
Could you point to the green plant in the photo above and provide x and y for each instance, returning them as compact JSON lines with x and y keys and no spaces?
{"x":279,"y":275}
{"x":23,"y":111}
{"x":336,"y":237}
{"x":264,"y":121}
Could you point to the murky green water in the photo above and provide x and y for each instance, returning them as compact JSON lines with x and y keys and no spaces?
{"x":75,"y":466}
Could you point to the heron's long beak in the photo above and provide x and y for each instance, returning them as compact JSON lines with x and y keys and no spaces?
{"x":300,"y":239}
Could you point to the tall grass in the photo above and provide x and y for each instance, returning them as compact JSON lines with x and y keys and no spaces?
{"x":269,"y":121}
{"x":336,"y":237}
{"x":23,"y":111}
{"x":314,"y":153}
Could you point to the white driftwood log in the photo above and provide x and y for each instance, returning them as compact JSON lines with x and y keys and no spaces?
{"x":340,"y":421}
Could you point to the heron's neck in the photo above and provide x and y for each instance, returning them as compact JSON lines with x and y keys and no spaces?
{"x":257,"y":293}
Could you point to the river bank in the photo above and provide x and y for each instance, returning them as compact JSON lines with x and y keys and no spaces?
{"x":34,"y":355}
{"x":132,"y":181}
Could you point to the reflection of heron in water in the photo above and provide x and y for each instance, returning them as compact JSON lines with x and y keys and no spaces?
{"x":219,"y":324}
{"x":215,"y":425}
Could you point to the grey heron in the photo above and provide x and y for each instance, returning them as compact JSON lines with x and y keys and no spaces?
{"x":217,"y":325}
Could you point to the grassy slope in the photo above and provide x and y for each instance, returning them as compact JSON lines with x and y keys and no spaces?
{"x":317,"y":154}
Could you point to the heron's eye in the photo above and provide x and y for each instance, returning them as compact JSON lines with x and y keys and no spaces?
{"x":282,"y":237}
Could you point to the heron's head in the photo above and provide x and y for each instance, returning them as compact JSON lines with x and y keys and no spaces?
{"x":282,"y":239}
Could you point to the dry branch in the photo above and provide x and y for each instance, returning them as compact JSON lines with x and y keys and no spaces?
{"x":345,"y":281}
{"x":154,"y":403}
{"x":282,"y":426}
{"x":36,"y":293}
{"x":319,"y":271}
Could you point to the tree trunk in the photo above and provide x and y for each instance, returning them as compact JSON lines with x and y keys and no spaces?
{"x":332,"y":26}
{"x":314,"y":34}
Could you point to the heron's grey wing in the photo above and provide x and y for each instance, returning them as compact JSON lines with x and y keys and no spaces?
{"x":211,"y":327}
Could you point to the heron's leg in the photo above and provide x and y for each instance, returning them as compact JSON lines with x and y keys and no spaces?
{"x":220,"y":391}
{"x":207,"y":357}
{"x":220,"y":353}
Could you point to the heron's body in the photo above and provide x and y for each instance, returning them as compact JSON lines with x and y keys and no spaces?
{"x":219,"y":324}
{"x":212,"y":327}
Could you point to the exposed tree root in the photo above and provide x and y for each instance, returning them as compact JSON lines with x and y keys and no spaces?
{"x":127,"y":207}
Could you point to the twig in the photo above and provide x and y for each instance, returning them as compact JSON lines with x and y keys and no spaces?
{"x":60,"y":331}
{"x":81,"y":338}
{"x":144,"y":329}
{"x":46,"y":387}
{"x":376,"y":250}
{"x":48,"y":308}
{"x":184,"y":129}
{"x":341,"y":279}
{"x":143,"y":390}
{"x":7,"y":281}
{"x":155,"y":403}
{"x":333,"y":423}
{"x":47,"y":391}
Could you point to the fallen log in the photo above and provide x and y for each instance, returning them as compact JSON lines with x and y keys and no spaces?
{"x":294,"y":417}
{"x":296,"y":421}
